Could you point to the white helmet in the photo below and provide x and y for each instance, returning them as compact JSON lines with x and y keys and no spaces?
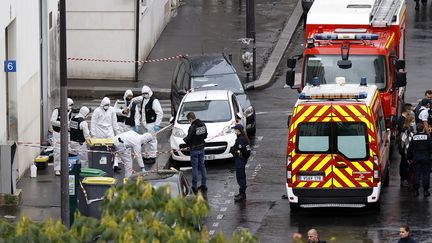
{"x":70,"y":103}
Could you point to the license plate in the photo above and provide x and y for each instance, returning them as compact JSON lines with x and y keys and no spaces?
{"x":209,"y":157}
{"x":310,"y":178}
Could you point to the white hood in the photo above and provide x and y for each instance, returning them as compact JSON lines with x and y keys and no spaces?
{"x":146,"y":89}
{"x":105,"y":101}
{"x":84,"y":111}
{"x":127,"y":93}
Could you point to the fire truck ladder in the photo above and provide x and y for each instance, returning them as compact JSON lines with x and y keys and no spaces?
{"x":384,"y":11}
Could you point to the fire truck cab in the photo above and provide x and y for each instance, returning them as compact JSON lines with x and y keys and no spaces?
{"x":338,"y":146}
{"x":355,"y":39}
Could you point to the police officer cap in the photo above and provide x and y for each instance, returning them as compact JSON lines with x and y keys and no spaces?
{"x":238,"y":127}
{"x":425,"y":102}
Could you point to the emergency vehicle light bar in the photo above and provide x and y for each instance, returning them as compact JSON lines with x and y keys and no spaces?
{"x":360,"y":95}
{"x":330,"y":36}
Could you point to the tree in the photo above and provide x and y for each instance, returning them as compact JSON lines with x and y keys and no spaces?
{"x":135,"y":212}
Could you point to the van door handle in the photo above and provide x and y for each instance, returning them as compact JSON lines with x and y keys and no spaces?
{"x":341,"y":166}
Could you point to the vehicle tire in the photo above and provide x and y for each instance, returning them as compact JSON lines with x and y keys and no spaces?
{"x":386,"y":181}
{"x":295,"y":207}
{"x":251,"y":132}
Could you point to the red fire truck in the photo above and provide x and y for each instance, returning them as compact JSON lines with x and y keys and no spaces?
{"x":354,"y":40}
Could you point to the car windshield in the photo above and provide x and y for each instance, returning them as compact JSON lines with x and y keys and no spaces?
{"x":174,"y":189}
{"x":221,"y":81}
{"x":206,"y":111}
{"x":326,"y":69}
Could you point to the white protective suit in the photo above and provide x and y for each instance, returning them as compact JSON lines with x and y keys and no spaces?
{"x":76,"y":147}
{"x":104,"y":122}
{"x":131,"y":140}
{"x":55,"y":123}
{"x":119,"y":111}
{"x":141,"y":101}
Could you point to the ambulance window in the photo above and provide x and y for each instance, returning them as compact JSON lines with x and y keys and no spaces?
{"x":351,"y":139}
{"x":313,"y":137}
{"x":378,"y":130}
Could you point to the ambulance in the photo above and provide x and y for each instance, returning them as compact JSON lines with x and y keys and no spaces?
{"x":338,"y":146}
{"x":354,"y":39}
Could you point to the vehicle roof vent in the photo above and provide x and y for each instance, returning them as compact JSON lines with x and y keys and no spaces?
{"x":359,"y":6}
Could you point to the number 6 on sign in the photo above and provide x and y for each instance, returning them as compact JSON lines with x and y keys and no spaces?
{"x":9,"y":66}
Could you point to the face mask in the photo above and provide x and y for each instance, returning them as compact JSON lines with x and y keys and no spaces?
{"x":106,"y":107}
{"x":146,"y":96}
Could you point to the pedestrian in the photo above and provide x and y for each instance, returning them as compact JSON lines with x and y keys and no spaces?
{"x":126,"y":119}
{"x":404,"y":233}
{"x":297,"y":238}
{"x":241,"y":153}
{"x":422,"y":115}
{"x":195,"y":140}
{"x":79,"y":135}
{"x":405,"y":137}
{"x":104,"y":123}
{"x":427,"y":95}
{"x":130,"y":142}
{"x":419,"y":154}
{"x":150,"y":117}
{"x":313,"y":237}
{"x":55,"y":123}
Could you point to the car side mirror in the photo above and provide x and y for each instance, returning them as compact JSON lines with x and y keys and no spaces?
{"x":182,"y":92}
{"x":400,"y":64}
{"x":289,"y":120}
{"x":291,"y":63}
{"x":249,"y":87}
{"x":290,"y":78}
{"x":401,"y":79}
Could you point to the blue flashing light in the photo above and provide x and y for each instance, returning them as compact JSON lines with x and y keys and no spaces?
{"x":363,"y":81}
{"x":362,"y":95}
{"x":316,"y":81}
{"x":303,"y":96}
{"x":330,"y":36}
{"x":325,"y":37}
{"x":366,"y":37}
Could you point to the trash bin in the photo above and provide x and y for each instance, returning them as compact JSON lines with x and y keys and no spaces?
{"x":87,"y":172}
{"x":41,"y":162}
{"x":102,"y":161}
{"x":95,"y":188}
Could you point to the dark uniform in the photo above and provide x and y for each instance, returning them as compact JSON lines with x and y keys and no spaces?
{"x":195,"y":140}
{"x":419,"y":151}
{"x":241,"y":152}
{"x":128,"y":120}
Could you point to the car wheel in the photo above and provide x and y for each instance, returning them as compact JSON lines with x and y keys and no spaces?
{"x":251,"y":132}
{"x":295,"y":207}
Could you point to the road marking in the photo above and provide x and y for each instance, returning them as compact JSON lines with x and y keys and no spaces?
{"x":224,"y":209}
{"x":216,"y":224}
{"x":259,"y":138}
{"x":220,"y":216}
{"x":231,"y":194}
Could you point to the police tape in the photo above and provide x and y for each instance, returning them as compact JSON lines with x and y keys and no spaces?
{"x":127,"y":61}
{"x":89,"y":201}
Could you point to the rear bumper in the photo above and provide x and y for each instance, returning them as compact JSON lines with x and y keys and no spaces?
{"x":328,"y":196}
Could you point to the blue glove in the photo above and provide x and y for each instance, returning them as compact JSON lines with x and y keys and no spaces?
{"x":143,"y":169}
{"x":156,"y":128}
{"x":137,"y":128}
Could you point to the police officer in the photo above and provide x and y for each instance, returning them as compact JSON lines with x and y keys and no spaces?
{"x":79,"y":134}
{"x":195,"y":139}
{"x":241,"y":152}
{"x":149,"y":117}
{"x":418,"y":153}
{"x":126,"y":118}
{"x":55,"y":123}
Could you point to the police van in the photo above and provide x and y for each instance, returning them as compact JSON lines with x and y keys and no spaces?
{"x":338,"y":147}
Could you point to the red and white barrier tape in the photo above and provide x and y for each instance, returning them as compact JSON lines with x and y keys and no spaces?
{"x":89,"y":201}
{"x":126,"y":61}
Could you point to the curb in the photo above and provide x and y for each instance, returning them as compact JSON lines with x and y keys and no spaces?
{"x":279,"y":50}
{"x":100,"y":91}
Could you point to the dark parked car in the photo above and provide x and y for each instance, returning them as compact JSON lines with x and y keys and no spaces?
{"x":210,"y":72}
{"x":175,"y":179}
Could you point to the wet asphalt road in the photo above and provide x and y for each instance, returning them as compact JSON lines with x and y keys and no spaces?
{"x":268,"y":216}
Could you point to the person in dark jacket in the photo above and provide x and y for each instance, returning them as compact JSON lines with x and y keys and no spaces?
{"x":419,"y":154}
{"x":404,"y":232}
{"x":241,"y":152}
{"x":195,"y":139}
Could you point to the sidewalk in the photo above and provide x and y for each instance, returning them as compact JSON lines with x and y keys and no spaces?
{"x":202,"y":27}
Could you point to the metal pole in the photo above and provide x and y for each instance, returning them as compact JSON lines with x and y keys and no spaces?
{"x":250,"y":30}
{"x":64,"y":119}
{"x":137,"y":26}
